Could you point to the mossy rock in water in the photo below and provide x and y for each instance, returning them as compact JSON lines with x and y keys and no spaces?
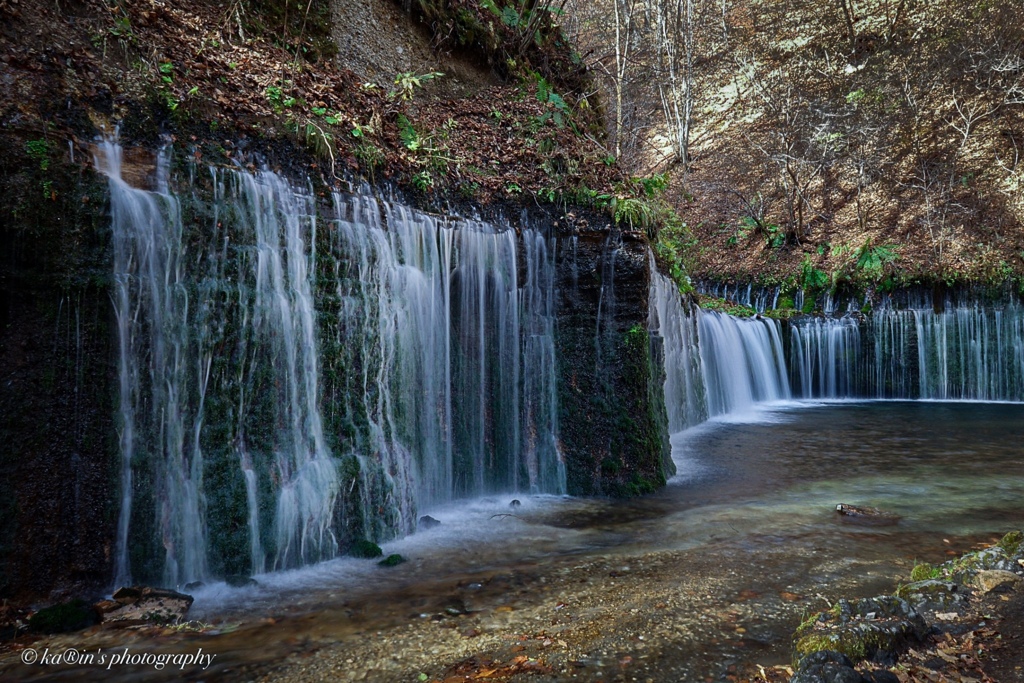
{"x":365,"y":549}
{"x":392,"y":561}
{"x":876,"y":628}
{"x":73,"y":615}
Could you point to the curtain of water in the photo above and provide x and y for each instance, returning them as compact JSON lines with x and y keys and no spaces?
{"x":718,"y":364}
{"x":964,"y":352}
{"x":715,"y":364}
{"x":289,"y":380}
{"x":685,"y":398}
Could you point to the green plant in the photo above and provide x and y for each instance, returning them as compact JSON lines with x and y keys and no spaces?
{"x":545,"y":94}
{"x":369,"y":154}
{"x":332,"y":119}
{"x":871,"y":260}
{"x":711,"y":303}
{"x":275,"y":94}
{"x":170,"y":100}
{"x":1011,"y":543}
{"x":39,"y":150}
{"x":469,"y":190}
{"x":811,"y":278}
{"x":408,"y":134}
{"x":407,"y":82}
{"x":122,"y":29}
{"x":167,"y":72}
{"x":653,"y":185}
{"x":636,"y":212}
{"x":423,"y":181}
{"x":775,"y":236}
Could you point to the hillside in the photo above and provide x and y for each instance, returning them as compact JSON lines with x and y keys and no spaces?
{"x":875,"y":142}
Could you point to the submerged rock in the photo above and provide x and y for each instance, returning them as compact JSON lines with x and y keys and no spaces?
{"x":365,"y":549}
{"x":862,"y":514}
{"x":142,"y":604}
{"x":240,"y":580}
{"x":515,"y":503}
{"x":428,"y":522}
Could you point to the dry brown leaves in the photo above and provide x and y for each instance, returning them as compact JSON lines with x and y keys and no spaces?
{"x":956,"y":659}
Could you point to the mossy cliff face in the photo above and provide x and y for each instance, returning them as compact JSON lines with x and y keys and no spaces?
{"x":58,"y":387}
{"x":612,"y":423}
{"x":58,"y":349}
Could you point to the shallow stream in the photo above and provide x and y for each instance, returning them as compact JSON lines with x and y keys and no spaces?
{"x":697,"y":582}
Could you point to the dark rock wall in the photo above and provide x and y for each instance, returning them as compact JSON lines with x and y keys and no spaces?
{"x":58,"y":379}
{"x":613,"y":426}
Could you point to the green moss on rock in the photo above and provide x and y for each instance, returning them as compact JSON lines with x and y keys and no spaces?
{"x":73,"y":615}
{"x":392,"y":560}
{"x":365,"y":549}
{"x":1011,"y":543}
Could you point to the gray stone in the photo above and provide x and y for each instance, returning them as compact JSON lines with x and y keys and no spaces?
{"x":996,"y":581}
{"x":826,"y":666}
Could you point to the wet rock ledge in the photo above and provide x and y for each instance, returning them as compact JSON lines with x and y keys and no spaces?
{"x":929,"y":629}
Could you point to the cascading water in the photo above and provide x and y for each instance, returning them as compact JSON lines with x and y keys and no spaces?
{"x":715,"y":364}
{"x":685,"y":398}
{"x":963,"y":352}
{"x":826,"y":357}
{"x":718,"y":364}
{"x":743,"y":361}
{"x":291,"y":381}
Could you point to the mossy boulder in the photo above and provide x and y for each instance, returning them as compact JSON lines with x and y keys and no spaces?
{"x":73,"y":615}
{"x":931,"y":593}
{"x":365,"y":549}
{"x":392,"y":560}
{"x":1012,"y":543}
{"x":876,"y":629}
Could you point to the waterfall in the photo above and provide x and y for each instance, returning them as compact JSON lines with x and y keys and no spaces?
{"x":743,"y":361}
{"x":296,"y":374}
{"x":826,"y":357}
{"x":685,"y":398}
{"x":715,"y":364}
{"x":964,"y":352}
